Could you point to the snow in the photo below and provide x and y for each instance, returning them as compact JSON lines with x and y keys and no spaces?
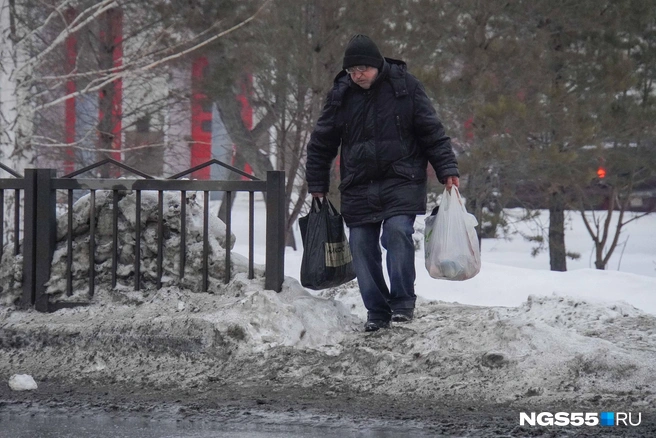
{"x":515,"y":331}
{"x":509,"y":273}
{"x":22,"y":382}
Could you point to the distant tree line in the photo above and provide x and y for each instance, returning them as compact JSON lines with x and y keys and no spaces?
{"x":537,"y":95}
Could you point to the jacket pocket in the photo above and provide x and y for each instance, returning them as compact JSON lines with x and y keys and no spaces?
{"x":346,"y":182}
{"x":409,"y":172}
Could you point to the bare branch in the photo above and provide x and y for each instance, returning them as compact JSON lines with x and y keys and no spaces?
{"x":140,"y":59}
{"x":78,"y":146}
{"x":55,"y":13}
{"x":123,"y":73}
{"x":101,"y":8}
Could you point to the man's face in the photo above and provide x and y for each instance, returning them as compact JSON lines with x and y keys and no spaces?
{"x":363,"y":75}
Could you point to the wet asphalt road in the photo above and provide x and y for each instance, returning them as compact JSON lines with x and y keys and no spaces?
{"x":60,"y":410}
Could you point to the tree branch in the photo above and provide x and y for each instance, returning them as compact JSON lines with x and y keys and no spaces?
{"x":72,"y":28}
{"x":123,"y":72}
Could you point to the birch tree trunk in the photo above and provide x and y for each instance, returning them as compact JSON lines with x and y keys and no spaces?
{"x":16,"y":123}
{"x":8,"y":112}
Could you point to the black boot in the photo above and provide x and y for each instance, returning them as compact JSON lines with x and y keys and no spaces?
{"x":402,"y":315}
{"x":373,"y":325}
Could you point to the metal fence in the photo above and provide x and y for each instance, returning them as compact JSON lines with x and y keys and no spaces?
{"x":40,"y":188}
{"x":16,"y":184}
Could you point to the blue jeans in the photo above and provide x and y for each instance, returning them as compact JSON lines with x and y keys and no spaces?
{"x":367,"y":262}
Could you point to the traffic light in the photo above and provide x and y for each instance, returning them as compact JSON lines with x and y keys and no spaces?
{"x":601,"y":172}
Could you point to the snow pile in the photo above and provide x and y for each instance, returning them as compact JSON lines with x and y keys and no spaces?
{"x":558,"y":345}
{"x":550,"y":348}
{"x":11,"y":276}
{"x":149,"y":244}
{"x":173,"y":335}
{"x":11,"y":266}
{"x":22,"y":382}
{"x":501,"y":285}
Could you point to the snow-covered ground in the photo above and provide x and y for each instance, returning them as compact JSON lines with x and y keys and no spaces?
{"x":509,"y":273}
{"x":516,"y":333}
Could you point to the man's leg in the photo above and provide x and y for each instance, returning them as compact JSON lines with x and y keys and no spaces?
{"x":397,"y":240}
{"x":367,"y":262}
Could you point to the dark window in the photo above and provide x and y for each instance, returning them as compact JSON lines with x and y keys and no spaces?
{"x":206,"y":105}
{"x":206,"y":126}
{"x":143,"y":124}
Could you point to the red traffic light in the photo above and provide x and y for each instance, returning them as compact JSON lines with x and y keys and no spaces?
{"x":601,"y":172}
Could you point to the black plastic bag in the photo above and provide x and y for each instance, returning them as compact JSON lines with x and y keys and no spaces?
{"x":327,"y":260}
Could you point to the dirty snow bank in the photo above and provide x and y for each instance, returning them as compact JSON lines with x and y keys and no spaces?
{"x":11,"y":266}
{"x":11,"y":275}
{"x":549,"y":349}
{"x":171,"y":336}
{"x":546,"y":348}
{"x":126,"y":225}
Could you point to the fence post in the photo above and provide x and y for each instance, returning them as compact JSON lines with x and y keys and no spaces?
{"x":29,"y":241}
{"x":275,"y":230}
{"x":40,"y":236}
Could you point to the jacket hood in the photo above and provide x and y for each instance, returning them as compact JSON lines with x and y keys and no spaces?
{"x":393,"y":69}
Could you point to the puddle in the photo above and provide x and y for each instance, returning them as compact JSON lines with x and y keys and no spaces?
{"x":42,"y":425}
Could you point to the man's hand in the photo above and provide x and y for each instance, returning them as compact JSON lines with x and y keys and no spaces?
{"x":452,"y":181}
{"x":318,"y":195}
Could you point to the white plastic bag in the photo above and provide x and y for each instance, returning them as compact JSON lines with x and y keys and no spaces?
{"x":450,"y":240}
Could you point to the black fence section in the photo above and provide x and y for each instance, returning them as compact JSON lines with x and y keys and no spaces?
{"x":14,"y":185}
{"x":40,"y":224}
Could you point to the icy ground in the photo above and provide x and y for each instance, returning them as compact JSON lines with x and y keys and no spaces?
{"x":565,"y":351}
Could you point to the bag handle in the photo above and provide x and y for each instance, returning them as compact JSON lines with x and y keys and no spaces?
{"x":316,"y":204}
{"x":319,"y":204}
{"x":331,"y":208}
{"x":447,"y":198}
{"x":457,"y":193}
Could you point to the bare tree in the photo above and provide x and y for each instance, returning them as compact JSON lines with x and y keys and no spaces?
{"x":292,"y":56}
{"x":34,"y":77}
{"x":628,"y":169}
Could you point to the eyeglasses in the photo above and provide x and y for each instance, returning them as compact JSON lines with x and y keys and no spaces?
{"x":358,"y":68}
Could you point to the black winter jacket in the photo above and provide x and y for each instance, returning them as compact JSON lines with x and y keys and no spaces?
{"x":388,"y":133}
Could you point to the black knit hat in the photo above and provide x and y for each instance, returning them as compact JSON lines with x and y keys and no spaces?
{"x":361,"y":50}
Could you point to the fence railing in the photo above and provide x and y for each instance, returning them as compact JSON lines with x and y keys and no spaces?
{"x":15,"y":184}
{"x":41,"y":186}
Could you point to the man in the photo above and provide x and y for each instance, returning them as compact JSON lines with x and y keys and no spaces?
{"x":388,"y":131}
